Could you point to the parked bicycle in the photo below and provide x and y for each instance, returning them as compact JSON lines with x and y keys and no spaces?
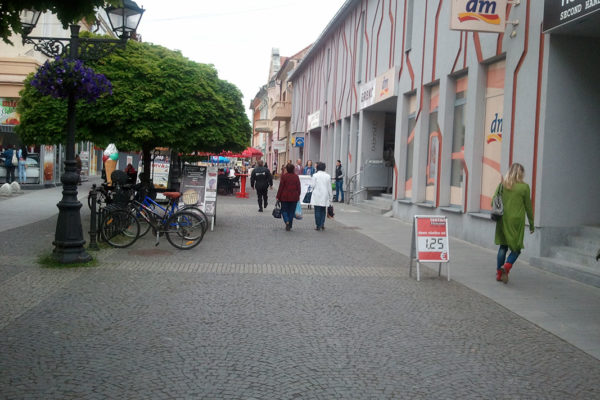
{"x":184,"y":229}
{"x":149,"y":203}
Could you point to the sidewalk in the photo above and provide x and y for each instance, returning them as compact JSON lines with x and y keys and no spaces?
{"x":566,"y":308}
{"x":36,"y":205}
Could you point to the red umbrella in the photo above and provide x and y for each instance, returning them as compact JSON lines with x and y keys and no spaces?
{"x":252,"y":152}
{"x":230,"y":154}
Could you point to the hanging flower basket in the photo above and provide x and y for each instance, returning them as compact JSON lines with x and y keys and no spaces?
{"x":63,"y":76}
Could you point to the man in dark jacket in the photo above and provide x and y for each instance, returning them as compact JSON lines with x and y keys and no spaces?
{"x":339,"y":181}
{"x":261,"y":179}
{"x":8,"y":163}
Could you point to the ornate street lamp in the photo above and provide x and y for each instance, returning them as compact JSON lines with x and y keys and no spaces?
{"x":68,"y":238}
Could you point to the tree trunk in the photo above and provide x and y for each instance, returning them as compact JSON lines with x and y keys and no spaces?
{"x":146,"y":149}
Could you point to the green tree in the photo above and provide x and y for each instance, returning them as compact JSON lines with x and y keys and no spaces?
{"x":67,"y":12}
{"x":160,"y":99}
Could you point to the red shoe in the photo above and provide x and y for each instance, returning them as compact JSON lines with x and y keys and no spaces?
{"x":499,"y":274}
{"x":505,"y":269}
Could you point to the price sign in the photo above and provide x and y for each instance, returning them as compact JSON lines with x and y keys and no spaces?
{"x":431,"y":237}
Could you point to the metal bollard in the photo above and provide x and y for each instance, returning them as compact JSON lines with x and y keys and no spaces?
{"x":93,"y":220}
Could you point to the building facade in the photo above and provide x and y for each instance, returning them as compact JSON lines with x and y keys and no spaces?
{"x":435,"y":116}
{"x":17,"y":61}
{"x":272,"y":111}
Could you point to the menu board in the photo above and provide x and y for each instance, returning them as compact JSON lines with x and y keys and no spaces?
{"x":202,"y":179}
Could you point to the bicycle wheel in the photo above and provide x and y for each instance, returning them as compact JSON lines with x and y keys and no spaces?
{"x":120,"y":228}
{"x":144,"y":225}
{"x":184,"y":230}
{"x":201,"y":214}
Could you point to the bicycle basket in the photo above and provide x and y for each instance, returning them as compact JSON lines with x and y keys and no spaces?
{"x":190,"y":197}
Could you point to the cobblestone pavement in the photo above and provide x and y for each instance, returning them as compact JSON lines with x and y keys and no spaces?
{"x":255,"y":312}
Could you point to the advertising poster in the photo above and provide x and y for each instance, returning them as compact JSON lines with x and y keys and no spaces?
{"x":85,"y":162}
{"x":210,"y":196}
{"x":305,"y":182}
{"x":432,"y":239}
{"x":493,"y":131}
{"x":48,"y":164}
{"x":8,"y":111}
{"x":160,"y":169}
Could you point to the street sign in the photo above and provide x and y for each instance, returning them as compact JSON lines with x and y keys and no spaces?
{"x":430,"y":242}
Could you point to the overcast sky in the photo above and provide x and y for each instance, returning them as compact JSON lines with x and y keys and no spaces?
{"x":236,"y":36}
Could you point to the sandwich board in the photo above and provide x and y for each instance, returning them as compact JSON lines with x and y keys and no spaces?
{"x":430,"y":242}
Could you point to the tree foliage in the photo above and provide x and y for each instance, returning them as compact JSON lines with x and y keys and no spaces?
{"x":160,"y":99}
{"x":67,"y":11}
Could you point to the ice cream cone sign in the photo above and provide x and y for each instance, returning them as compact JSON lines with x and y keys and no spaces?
{"x":110,"y":163}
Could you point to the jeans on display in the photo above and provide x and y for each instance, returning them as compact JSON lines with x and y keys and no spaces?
{"x":339,"y":187}
{"x":22,"y":172}
{"x":512,"y":257}
{"x":320,"y":213}
{"x":288,"y":210}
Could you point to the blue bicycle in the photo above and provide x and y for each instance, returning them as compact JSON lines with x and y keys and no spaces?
{"x":148,"y":203}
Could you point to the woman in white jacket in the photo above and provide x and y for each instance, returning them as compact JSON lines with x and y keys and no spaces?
{"x":321,"y":195}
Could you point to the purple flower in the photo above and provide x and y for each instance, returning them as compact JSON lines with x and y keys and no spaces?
{"x":63,"y":76}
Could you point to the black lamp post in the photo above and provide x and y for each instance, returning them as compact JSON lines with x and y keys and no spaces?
{"x":68,"y":239}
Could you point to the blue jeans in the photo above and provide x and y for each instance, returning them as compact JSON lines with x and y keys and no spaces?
{"x":512,"y":257}
{"x":22,"y":172}
{"x":288,"y":210}
{"x":320,"y":213}
{"x":339,"y":187}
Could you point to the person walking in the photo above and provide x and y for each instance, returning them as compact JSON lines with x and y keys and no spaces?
{"x":309,"y":169}
{"x":289,"y":195}
{"x":261,"y":179}
{"x":298,"y":168}
{"x":510,"y":228}
{"x":321,"y":195}
{"x":339,"y":181}
{"x":79,"y":167}
{"x":22,"y":155}
{"x":8,"y":163}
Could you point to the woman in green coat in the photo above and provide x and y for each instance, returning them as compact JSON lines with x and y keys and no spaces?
{"x":510,"y":229}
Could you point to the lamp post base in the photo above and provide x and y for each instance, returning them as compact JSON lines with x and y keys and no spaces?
{"x":71,"y":256}
{"x":68,"y":239}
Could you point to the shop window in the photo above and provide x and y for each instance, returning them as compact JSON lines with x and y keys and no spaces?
{"x":492,"y":130}
{"x":457,"y":174}
{"x":433,"y":146}
{"x":412,"y":123}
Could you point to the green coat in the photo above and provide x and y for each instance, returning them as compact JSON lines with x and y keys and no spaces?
{"x":510,"y":229}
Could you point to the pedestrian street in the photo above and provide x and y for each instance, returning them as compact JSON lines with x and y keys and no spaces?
{"x":255,"y":312}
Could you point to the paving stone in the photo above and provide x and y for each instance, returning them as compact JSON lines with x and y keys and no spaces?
{"x":257,"y":312}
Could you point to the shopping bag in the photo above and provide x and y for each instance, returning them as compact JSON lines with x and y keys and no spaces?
{"x":298,"y":213}
{"x":330,"y":212}
{"x":497,"y":206}
{"x":307,"y":197}
{"x":277,"y":210}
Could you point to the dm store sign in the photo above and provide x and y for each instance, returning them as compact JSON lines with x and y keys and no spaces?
{"x":478,"y":15}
